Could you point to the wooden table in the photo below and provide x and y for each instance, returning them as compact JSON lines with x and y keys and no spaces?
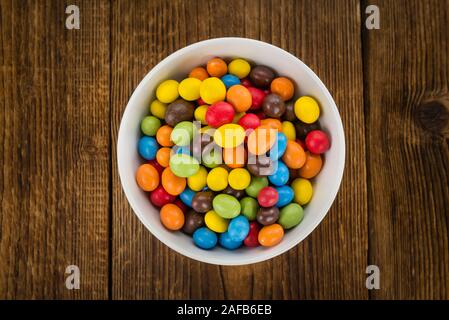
{"x":62,"y":96}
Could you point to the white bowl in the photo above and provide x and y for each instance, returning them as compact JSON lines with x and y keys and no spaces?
{"x":177,"y":66}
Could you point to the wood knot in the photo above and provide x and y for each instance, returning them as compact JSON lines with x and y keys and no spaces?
{"x":433,"y":116}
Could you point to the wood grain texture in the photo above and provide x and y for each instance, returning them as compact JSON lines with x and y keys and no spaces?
{"x":54,"y":149}
{"x":328,"y":264}
{"x":407,"y":125}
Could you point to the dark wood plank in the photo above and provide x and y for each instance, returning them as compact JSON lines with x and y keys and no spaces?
{"x":54,"y":149}
{"x":407,"y":108}
{"x":326,"y":35}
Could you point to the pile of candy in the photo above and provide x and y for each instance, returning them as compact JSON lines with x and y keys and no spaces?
{"x":230,"y":153}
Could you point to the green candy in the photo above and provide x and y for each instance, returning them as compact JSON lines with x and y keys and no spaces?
{"x":183,"y":165}
{"x":291,"y":215}
{"x":249,"y":208}
{"x":183,"y":133}
{"x":226,"y":206}
{"x":257,"y":184}
{"x":212,"y":159}
{"x":150,"y":125}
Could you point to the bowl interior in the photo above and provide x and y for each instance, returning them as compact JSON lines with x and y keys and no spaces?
{"x":176,"y":66}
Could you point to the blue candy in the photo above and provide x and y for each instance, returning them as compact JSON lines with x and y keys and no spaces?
{"x":286,"y":195}
{"x":229,"y":80}
{"x":279,"y":147}
{"x":181,"y":150}
{"x":238,"y":228}
{"x":186,"y":196}
{"x":226,"y":242}
{"x":204,"y":238}
{"x":148,"y":147}
{"x":280,"y":175}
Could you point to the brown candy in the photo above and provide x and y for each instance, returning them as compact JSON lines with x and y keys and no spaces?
{"x":273,"y":106}
{"x":193,"y":221}
{"x":302,"y":129}
{"x":262,"y":167}
{"x":179,"y":110}
{"x":267,"y":216}
{"x":232,"y":192}
{"x":202,"y":201}
{"x":261,"y":76}
{"x":289,"y":114}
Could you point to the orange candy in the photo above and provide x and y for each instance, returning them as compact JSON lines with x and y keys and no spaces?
{"x":271,"y":235}
{"x":163,"y":156}
{"x":147,"y":177}
{"x":261,"y":140}
{"x":312,"y":166}
{"x":240,"y":98}
{"x":173,"y":184}
{"x":283,"y":87}
{"x":216,"y":67}
{"x":199,"y":73}
{"x":235,"y":157}
{"x":172,"y":217}
{"x":294,"y":156}
{"x":163,"y":136}
{"x":271,"y":123}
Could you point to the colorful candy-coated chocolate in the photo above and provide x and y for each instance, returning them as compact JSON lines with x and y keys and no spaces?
{"x":289,"y":130}
{"x":256,"y":184}
{"x":251,"y":239}
{"x":271,"y":235}
{"x":317,"y":142}
{"x":212,"y":90}
{"x":215,"y":222}
{"x":268,"y":197}
{"x":226,"y":206}
{"x":238,"y":228}
{"x":204,"y":238}
{"x":312,"y":166}
{"x":197,"y":181}
{"x":235,"y":157}
{"x":202,"y":201}
{"x":159,"y":197}
{"x":261,"y":76}
{"x":163,"y":136}
{"x":303,"y":129}
{"x":257,"y":96}
{"x":249,"y":121}
{"x":280,"y":175}
{"x":224,"y":239}
{"x":307,"y":109}
{"x":183,"y":165}
{"x":173,"y":184}
{"x":303,"y":190}
{"x":189,"y":89}
{"x":246,"y":82}
{"x":193,"y":221}
{"x":289,"y":114}
{"x":249,"y":208}
{"x":167,"y":91}
{"x":240,"y":98}
{"x":200,"y":114}
{"x":229,"y":135}
{"x":183,"y":133}
{"x":273,"y":106}
{"x":271,"y":123}
{"x":261,"y":166}
{"x":147,"y":177}
{"x":239,"y":68}
{"x":186,"y":197}
{"x":286,"y":196}
{"x":279,"y":147}
{"x":219,"y":114}
{"x":217,"y":179}
{"x":163,"y":156}
{"x":158,"y":108}
{"x":148,"y":147}
{"x":261,"y":140}
{"x":230,"y":80}
{"x":172,"y":217}
{"x":216,"y":67}
{"x":283,"y":87}
{"x":291,"y":215}
{"x":178,"y":111}
{"x":157,"y":166}
{"x":294,"y":156}
{"x":267,"y":216}
{"x":239,"y":179}
{"x":232,"y":192}
{"x":199,"y":73}
{"x":181,"y":205}
{"x":150,"y":125}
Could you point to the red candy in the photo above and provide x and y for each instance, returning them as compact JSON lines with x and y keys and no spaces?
{"x":200,"y":102}
{"x":251,"y":239}
{"x":159,"y":197}
{"x":260,"y":115}
{"x":249,"y":121}
{"x":181,"y":205}
{"x":258,"y":96}
{"x":246,"y":83}
{"x":317,"y":142}
{"x":219,"y":114}
{"x":268,"y":197}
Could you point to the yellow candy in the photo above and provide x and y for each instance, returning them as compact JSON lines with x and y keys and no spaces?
{"x":212,"y":90}
{"x":157,"y":109}
{"x":189,"y":89}
{"x":229,"y":135}
{"x":289,"y":130}
{"x":307,"y":109}
{"x":199,"y":180}
{"x":200,"y":114}
{"x":239,"y":68}
{"x":217,"y":179}
{"x":167,"y":91}
{"x":215,"y":222}
{"x":303,"y":190}
{"x":239,"y":179}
